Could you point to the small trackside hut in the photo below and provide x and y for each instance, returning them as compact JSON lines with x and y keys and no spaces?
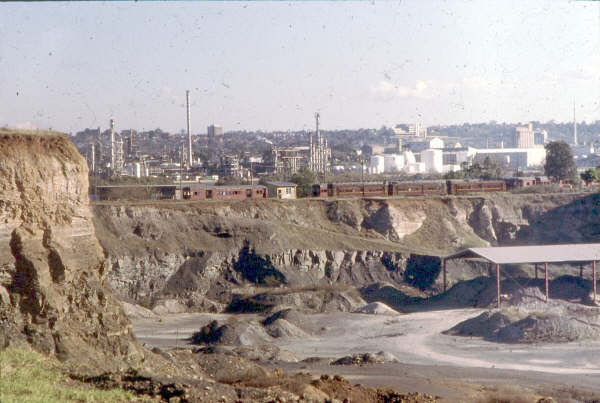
{"x":538,"y":255}
{"x":282,"y":190}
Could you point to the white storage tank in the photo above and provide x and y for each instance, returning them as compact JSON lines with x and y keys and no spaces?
{"x":393,"y":163}
{"x":433,"y":160}
{"x":409,"y":158}
{"x":377,"y":164}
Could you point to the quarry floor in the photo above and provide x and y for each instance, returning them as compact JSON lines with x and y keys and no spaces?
{"x":448,"y":366}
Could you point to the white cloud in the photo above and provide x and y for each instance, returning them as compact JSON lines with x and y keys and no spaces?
{"x":422,"y":89}
{"x":25,"y":126}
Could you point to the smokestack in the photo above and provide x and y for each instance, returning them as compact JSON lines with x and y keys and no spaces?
{"x":189,"y":133}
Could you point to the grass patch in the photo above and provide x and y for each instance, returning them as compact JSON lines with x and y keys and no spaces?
{"x":28,"y":376}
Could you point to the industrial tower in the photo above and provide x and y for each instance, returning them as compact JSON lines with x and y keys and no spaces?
{"x":319,"y":152}
{"x":116,"y":152}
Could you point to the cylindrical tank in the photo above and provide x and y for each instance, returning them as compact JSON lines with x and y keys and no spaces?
{"x":377,"y":164}
{"x":433,"y":160}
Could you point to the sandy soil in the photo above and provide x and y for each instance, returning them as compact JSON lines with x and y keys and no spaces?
{"x":431,"y":362}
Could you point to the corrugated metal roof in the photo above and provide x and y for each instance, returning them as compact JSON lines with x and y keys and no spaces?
{"x":533,"y":254}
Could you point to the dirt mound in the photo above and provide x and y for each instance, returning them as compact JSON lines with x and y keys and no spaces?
{"x":311,"y":299}
{"x":530,"y":319}
{"x":485,"y":325}
{"x":283,"y":328}
{"x":376,"y":308}
{"x":292,"y":317}
{"x":366,"y":358}
{"x":339,"y":389}
{"x":53,"y":294}
{"x":398,"y":297}
{"x":266,"y":352}
{"x":233,"y":333}
{"x":134,"y":311}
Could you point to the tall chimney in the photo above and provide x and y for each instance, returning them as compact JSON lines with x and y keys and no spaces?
{"x":189,"y":132}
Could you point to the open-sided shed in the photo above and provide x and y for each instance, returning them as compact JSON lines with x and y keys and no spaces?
{"x":533,"y":254}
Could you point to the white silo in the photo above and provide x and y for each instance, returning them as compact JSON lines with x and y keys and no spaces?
{"x":393,"y":163}
{"x":377,"y":164}
{"x":433,"y":160}
{"x":409,"y":158}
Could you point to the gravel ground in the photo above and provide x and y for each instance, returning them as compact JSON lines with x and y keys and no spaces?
{"x":430,"y":362}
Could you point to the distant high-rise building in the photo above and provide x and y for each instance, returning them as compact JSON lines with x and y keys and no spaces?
{"x":524,"y":137}
{"x":214,"y":131}
{"x":417,"y":129}
{"x":540,"y":137}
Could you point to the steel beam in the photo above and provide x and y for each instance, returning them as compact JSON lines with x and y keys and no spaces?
{"x":546,"y":279}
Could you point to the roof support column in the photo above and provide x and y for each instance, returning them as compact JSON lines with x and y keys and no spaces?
{"x":546,"y":279}
{"x":536,"y":271}
{"x":444,"y":273}
{"x":594,"y":278}
{"x":498,"y":283}
{"x":580,"y":271}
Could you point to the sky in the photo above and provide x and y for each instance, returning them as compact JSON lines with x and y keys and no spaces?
{"x":271,"y":65}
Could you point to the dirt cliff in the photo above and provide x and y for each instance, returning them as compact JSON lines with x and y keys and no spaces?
{"x":208,"y":255}
{"x":53,"y":292}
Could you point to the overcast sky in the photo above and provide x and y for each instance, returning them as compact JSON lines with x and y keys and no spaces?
{"x":271,"y":65}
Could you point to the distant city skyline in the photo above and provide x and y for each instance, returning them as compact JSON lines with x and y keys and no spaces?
{"x":271,"y":66}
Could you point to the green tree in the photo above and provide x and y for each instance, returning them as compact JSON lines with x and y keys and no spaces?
{"x":560,"y":164}
{"x":304,"y":179}
{"x":589,"y":176}
{"x":231,"y":181}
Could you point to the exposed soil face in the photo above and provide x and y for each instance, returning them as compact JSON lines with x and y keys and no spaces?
{"x":53,"y":294}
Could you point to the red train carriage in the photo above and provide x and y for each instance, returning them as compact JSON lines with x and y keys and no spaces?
{"x":460,"y":187}
{"x":203,"y":192}
{"x":369,"y":189}
{"x":319,"y":190}
{"x":416,"y":188}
